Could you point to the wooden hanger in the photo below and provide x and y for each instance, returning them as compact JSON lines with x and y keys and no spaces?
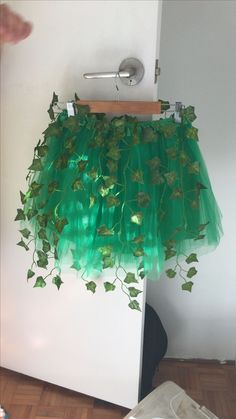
{"x":124,"y":107}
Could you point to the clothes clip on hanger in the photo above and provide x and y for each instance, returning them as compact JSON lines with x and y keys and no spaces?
{"x":177,"y":114}
{"x":70,"y":108}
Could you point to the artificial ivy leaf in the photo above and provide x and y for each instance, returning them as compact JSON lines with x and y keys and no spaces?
{"x":110,"y":181}
{"x":55,"y":254}
{"x":192,"y":133}
{"x":76,"y":265}
{"x":183,"y":158}
{"x":177,"y":193}
{"x":109,"y":286}
{"x":52,"y":186}
{"x":165,"y":105}
{"x":169,"y":243}
{"x":168,"y":130}
{"x":143,"y":199}
{"x":188,"y":114}
{"x":138,"y":252}
{"x":42,"y":150}
{"x":192,"y":258}
{"x":62,"y":162}
{"x":51,"y":112}
{"x":43,"y":260}
{"x":25,"y":233}
{"x":187,"y":286}
{"x":82,"y":165}
{"x":104,"y":231}
{"x":92,"y":201}
{"x":60,"y":224}
{"x":55,"y":239}
{"x":169,"y":253}
{"x":20,"y":215}
{"x":93,"y":174}
{"x":23,"y":244}
{"x":103,"y":191}
{"x":106,"y":251}
{"x":91,"y":286}
{"x":154,"y":163}
{"x":70,"y":144}
{"x":77,"y":185}
{"x":108,"y":262}
{"x":134,"y":305}
{"x":200,"y":237}
{"x":46,"y":246}
{"x":202,"y":226}
{"x":30,"y":273}
{"x":137,"y":176}
{"x":142,"y":274}
{"x":149,"y":135}
{"x":137,"y":218}
{"x":157,"y":179}
{"x":170,"y":177}
{"x":170,"y":273}
{"x":40,"y":283}
{"x":35,"y":189}
{"x":141,"y":266}
{"x":23,"y":198}
{"x":42,"y":220}
{"x":112,"y":166}
{"x":191,"y":272}
{"x":134,"y":292}
{"x":112,"y":201}
{"x":172,"y":152}
{"x":76,"y":97}
{"x":195,"y":203}
{"x":138,"y":239}
{"x":31,"y":213}
{"x":54,"y":99}
{"x":71,"y":123}
{"x":114,"y":153}
{"x":130,"y":278}
{"x":194,"y":168}
{"x":57,"y":281}
{"x":52,"y":131}
{"x":42,"y":234}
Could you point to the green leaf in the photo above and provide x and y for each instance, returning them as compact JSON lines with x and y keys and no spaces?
{"x":142,"y":274}
{"x":46,"y":246}
{"x":52,"y":131}
{"x":106,"y":251}
{"x":109,"y":286}
{"x":192,"y":133}
{"x":200,"y":237}
{"x":169,"y":253}
{"x":42,"y":150}
{"x":169,"y":243}
{"x":170,"y":273}
{"x":130,"y":278}
{"x":30,"y":273}
{"x":137,"y":176}
{"x":42,"y":234}
{"x":51,"y":112}
{"x":187,"y":286}
{"x":42,"y":220}
{"x":93,"y":174}
{"x":177,"y":193}
{"x":112,"y":166}
{"x":108,"y":262}
{"x":77,"y":185}
{"x":71,"y":123}
{"x":194,"y":168}
{"x":20,"y":215}
{"x":194,"y":203}
{"x":183,"y":158}
{"x":40,"y":283}
{"x":138,"y":239}
{"x":143,"y":199}
{"x":82,"y":165}
{"x":23,"y":198}
{"x":202,"y":226}
{"x":42,"y":262}
{"x":91,"y":286}
{"x":92,"y":201}
{"x":172,"y":152}
{"x":112,"y":201}
{"x":23,"y":244}
{"x":138,"y":252}
{"x":57,"y":281}
{"x":104,"y":231}
{"x":169,"y":130}
{"x":141,"y":266}
{"x":60,"y":224}
{"x":114,"y":153}
{"x":137,"y":218}
{"x":134,"y":292}
{"x":191,"y":272}
{"x":31,"y":213}
{"x":149,"y":135}
{"x":55,"y":239}
{"x":103,"y":191}
{"x":76,"y":265}
{"x":165,"y":105}
{"x":36,"y":165}
{"x":54,"y":99}
{"x":76,"y":97}
{"x":157,"y":179}
{"x":25,"y":233}
{"x":62,"y":162}
{"x":109,"y":181}
{"x":188,"y":114}
{"x":35,"y":189}
{"x":134,"y":305}
{"x":52,"y":186}
{"x":170,"y":177}
{"x":154,"y":163}
{"x":192,"y":258}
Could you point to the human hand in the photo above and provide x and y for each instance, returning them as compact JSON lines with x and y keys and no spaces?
{"x":12,"y":27}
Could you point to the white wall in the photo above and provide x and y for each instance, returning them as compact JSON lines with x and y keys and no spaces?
{"x":198,"y":67}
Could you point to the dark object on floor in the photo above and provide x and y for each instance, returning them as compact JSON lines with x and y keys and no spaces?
{"x":154,"y":348}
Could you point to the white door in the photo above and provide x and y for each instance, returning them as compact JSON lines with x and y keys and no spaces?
{"x":88,"y":343}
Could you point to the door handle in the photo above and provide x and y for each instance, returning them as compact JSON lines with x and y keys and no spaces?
{"x":131,"y":72}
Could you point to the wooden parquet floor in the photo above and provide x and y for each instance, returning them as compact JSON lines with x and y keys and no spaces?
{"x":210,"y":384}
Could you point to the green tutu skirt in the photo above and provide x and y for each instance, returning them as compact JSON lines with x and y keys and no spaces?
{"x":117,"y":194}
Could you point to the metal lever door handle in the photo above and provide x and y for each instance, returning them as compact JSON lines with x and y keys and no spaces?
{"x":130,"y":72}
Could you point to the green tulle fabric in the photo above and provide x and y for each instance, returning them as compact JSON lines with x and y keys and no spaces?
{"x":119,"y":193}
